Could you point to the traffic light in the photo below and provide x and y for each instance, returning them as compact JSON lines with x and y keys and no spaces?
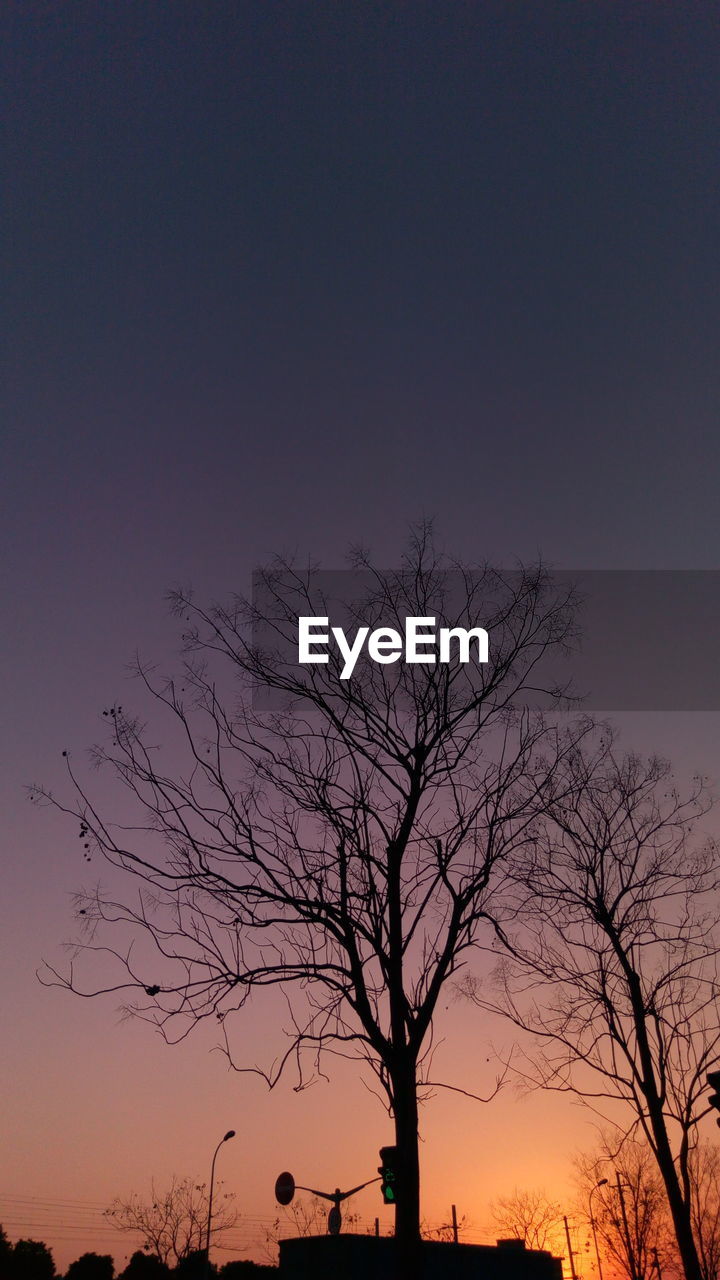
{"x":713,"y":1079}
{"x":388,"y":1173}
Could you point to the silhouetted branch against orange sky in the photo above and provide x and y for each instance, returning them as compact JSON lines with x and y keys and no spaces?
{"x":529,"y":1216}
{"x":612,"y":959}
{"x":637,"y":1241}
{"x":172,"y":1223}
{"x":347,"y":847}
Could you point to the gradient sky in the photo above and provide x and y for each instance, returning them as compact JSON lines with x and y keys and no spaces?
{"x":283,"y":276}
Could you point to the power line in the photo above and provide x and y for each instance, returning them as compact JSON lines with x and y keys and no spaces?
{"x":54,"y":1202}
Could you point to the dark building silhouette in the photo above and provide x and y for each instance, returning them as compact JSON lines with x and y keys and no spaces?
{"x":351,"y":1257}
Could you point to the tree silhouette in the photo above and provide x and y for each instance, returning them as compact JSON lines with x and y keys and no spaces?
{"x":635,"y":1232}
{"x":303,"y":1218}
{"x":344,"y":846}
{"x":704,"y":1167}
{"x":145,"y":1266}
{"x":195,"y":1266}
{"x":244,"y":1269}
{"x":612,"y":959}
{"x":91,"y":1266}
{"x":529,"y":1216}
{"x":5,"y":1252}
{"x":32,"y":1260}
{"x":172,"y":1223}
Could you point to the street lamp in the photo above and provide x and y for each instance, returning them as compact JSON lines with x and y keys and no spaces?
{"x":601,"y":1183}
{"x":230,"y":1134}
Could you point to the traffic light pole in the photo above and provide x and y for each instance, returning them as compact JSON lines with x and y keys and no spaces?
{"x":713,"y":1079}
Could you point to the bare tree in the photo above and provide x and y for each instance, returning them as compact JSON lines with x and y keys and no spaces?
{"x":343,"y":846}
{"x":446,"y":1231}
{"x":303,"y":1218}
{"x":529,"y":1216}
{"x":629,"y":1206}
{"x":612,"y":962}
{"x":705,"y":1200}
{"x":172,"y":1223}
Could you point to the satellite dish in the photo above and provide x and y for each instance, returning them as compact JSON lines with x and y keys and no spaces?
{"x":334,"y":1221}
{"x":285,"y":1188}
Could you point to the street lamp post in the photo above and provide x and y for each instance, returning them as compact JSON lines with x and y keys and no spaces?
{"x":601,"y":1183}
{"x":230,"y":1134}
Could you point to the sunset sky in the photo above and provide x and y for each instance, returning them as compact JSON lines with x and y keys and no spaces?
{"x":285,"y":277}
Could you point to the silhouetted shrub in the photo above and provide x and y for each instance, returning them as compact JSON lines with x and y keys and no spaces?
{"x":243,"y":1269}
{"x":31,"y":1260}
{"x":91,"y":1266}
{"x":145,"y":1266}
{"x":193,"y":1267}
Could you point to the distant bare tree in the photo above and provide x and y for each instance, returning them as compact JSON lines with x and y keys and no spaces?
{"x":705,"y":1199}
{"x":344,"y":849}
{"x":634,"y":1232}
{"x":612,"y":954}
{"x":529,"y":1216}
{"x":303,"y":1218}
{"x":172,"y":1223}
{"x":445,"y":1230}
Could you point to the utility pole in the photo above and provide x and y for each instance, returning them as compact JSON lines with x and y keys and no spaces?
{"x":601,"y":1183}
{"x":628,"y":1241}
{"x":454,"y":1223}
{"x":571,"y":1256}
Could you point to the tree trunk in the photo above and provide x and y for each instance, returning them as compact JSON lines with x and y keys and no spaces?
{"x":679,"y":1209}
{"x":407,"y":1208}
{"x":403,"y":1066}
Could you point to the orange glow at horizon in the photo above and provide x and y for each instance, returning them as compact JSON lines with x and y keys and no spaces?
{"x":107,"y":1107}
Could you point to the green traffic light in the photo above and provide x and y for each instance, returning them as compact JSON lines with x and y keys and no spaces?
{"x":388,"y":1155}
